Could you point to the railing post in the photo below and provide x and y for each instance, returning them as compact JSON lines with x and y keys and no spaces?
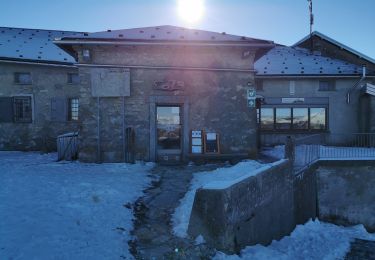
{"x":290,"y":149}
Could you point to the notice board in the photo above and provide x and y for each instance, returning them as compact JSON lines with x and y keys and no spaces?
{"x":211,"y":143}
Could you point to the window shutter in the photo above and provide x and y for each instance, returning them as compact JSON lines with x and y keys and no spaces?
{"x":6,"y":109}
{"x":59,"y":109}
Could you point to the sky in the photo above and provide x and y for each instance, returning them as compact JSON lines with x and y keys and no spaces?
{"x":350,"y":22}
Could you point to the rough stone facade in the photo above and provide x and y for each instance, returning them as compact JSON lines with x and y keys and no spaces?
{"x":48,"y":81}
{"x":213,"y":98}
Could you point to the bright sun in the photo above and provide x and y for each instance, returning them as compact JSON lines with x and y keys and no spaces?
{"x":191,"y":10}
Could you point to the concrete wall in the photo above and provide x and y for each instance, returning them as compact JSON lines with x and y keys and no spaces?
{"x":346,"y":193}
{"x":253,"y":210}
{"x":47,"y":82}
{"x":212,"y":100}
{"x":342,"y":117}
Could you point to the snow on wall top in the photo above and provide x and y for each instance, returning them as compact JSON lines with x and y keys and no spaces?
{"x":165,"y":33}
{"x":33,"y":45}
{"x":282,"y":60}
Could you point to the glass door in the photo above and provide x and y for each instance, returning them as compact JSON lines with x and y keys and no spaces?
{"x":168,"y":126}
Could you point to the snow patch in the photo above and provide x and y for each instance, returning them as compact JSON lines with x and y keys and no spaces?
{"x":313,"y":240}
{"x":67,"y":210}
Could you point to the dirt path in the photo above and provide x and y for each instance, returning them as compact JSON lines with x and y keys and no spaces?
{"x":153,"y":226}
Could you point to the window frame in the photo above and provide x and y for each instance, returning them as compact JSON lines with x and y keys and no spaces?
{"x":17,"y":78}
{"x":28,"y":119}
{"x":330,"y":83}
{"x":70,"y":77}
{"x":72,"y":109}
{"x":292,"y":129}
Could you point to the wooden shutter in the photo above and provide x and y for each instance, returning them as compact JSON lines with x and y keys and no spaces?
{"x":59,"y":109}
{"x":6,"y":109}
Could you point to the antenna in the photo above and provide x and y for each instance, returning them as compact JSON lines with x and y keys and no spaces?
{"x":311,"y":24}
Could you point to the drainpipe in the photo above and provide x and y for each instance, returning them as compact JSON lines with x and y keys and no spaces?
{"x":356,"y":84}
{"x":98,"y":129}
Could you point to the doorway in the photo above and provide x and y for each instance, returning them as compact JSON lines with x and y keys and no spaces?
{"x":168,"y":133}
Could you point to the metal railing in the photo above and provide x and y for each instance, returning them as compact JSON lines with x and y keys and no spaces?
{"x":307,"y":150}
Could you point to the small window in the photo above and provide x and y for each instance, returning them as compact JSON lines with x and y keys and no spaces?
{"x":22,"y":78}
{"x":22,"y":109}
{"x":326,"y":85}
{"x":318,"y":119}
{"x":283,"y":118}
{"x":259,"y":84}
{"x":73,"y":109}
{"x":73,"y":78}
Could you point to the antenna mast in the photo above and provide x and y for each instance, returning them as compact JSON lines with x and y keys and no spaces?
{"x":311,"y":23}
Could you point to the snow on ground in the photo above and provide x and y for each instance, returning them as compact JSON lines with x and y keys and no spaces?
{"x":181,"y":215}
{"x":313,"y":240}
{"x":66,"y":210}
{"x":275,"y":152}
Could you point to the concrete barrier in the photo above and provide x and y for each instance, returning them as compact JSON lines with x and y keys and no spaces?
{"x":247,"y":211}
{"x":346,"y":192}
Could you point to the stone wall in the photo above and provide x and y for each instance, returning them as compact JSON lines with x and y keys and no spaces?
{"x":47,"y":82}
{"x":346,"y":193}
{"x":212,"y":99}
{"x":252,"y":210}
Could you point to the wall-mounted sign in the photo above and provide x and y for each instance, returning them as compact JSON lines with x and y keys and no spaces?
{"x":251,"y":102}
{"x":196,"y":141}
{"x":211,"y":143}
{"x":169,"y":85}
{"x":251,"y":96}
{"x":292,"y":100}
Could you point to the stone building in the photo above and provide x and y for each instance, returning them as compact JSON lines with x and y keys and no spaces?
{"x":304,"y":92}
{"x":39,"y":89}
{"x":164,"y":84}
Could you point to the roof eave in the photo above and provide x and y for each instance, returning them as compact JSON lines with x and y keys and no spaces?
{"x":339,"y":44}
{"x":64,"y":42}
{"x":313,"y":76}
{"x":36,"y":62}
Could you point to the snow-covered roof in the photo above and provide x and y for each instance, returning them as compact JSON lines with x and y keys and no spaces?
{"x":282,"y":60}
{"x":33,"y":45}
{"x":165,"y":33}
{"x":339,"y":44}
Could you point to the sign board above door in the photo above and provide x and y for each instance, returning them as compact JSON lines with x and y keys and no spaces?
{"x":110,"y":82}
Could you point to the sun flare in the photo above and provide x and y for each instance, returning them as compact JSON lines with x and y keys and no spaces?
{"x":190,"y":11}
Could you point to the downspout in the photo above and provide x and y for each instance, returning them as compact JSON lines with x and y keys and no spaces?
{"x":98,"y":130}
{"x":356,"y":84}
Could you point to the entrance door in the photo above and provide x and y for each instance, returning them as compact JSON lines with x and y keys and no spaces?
{"x":168,"y":127}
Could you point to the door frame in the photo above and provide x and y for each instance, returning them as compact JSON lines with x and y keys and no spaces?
{"x":181,"y":101}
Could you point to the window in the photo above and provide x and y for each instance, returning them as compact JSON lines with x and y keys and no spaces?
{"x":326,"y":85}
{"x":73,"y":78}
{"x":73,"y":109}
{"x":293,"y":118}
{"x":22,"y":78}
{"x":318,"y":118}
{"x":283,"y":118}
{"x":266,"y":118}
{"x":259,"y":84}
{"x":22,"y":109}
{"x":300,"y":118}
